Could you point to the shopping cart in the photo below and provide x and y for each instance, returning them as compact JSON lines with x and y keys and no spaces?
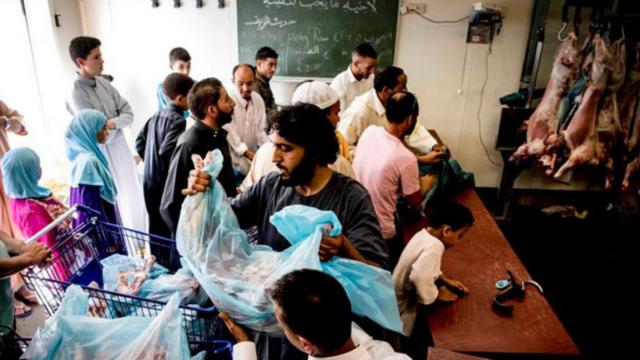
{"x":14,"y":346}
{"x":76,"y":260}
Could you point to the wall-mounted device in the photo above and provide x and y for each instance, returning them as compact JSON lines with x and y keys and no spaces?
{"x":484,"y":22}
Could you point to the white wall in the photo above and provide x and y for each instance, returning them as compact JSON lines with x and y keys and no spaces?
{"x":137,"y":39}
{"x":433,"y":57}
{"x":34,"y":75}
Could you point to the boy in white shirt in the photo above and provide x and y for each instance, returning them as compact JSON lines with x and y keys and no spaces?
{"x":418,"y":278}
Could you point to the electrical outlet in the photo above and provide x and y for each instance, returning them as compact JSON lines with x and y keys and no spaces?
{"x":420,"y":8}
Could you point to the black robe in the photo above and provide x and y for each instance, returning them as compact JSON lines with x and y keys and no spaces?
{"x":155,"y":144}
{"x":199,"y":139}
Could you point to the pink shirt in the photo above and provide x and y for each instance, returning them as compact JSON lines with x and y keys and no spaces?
{"x":31,"y":215}
{"x":387,"y":169}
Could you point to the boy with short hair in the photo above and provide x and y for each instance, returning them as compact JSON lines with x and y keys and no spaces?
{"x":418,"y":278}
{"x":315,"y":314}
{"x":179,"y":62}
{"x":155,"y":144}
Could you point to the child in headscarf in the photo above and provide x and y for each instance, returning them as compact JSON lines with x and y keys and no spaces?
{"x":91,"y":181}
{"x":32,"y":206}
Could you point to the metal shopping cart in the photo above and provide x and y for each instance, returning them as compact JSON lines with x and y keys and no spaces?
{"x":76,"y":260}
{"x":14,"y":346}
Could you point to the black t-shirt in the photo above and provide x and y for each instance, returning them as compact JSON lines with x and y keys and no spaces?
{"x":344,"y":196}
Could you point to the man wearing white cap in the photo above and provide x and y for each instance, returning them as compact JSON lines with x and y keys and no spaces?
{"x":309,"y":92}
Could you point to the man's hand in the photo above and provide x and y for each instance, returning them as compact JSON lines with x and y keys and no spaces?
{"x":249,"y":154}
{"x":111,"y":124}
{"x":137,"y":159}
{"x":432,"y":157}
{"x":199,"y":181}
{"x":35,"y":253}
{"x":445,"y":295}
{"x":330,"y":247}
{"x":238,"y":331}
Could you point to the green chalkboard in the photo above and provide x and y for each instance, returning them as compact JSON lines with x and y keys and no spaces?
{"x":315,"y":38}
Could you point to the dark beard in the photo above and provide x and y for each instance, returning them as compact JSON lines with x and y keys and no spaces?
{"x":301,"y":174}
{"x":223,"y":118}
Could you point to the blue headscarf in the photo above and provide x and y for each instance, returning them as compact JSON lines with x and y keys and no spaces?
{"x":21,"y":171}
{"x":89,"y":166}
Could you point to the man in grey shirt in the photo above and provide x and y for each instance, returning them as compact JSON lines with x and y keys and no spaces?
{"x":305,"y":143}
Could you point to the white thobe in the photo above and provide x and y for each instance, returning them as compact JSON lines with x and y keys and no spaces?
{"x":99,"y":94}
{"x":246,"y":131}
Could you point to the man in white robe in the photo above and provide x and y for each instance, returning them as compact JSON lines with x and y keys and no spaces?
{"x":93,"y":91}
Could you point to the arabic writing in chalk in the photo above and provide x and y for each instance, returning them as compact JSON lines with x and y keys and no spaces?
{"x":355,"y":6}
{"x":263,"y":22}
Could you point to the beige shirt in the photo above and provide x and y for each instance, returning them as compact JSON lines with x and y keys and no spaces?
{"x":415,"y":275}
{"x":367,"y":110}
{"x":364,"y":111}
{"x":348,"y":87}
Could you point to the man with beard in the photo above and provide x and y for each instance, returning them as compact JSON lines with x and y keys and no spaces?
{"x":388,"y":169}
{"x":358,"y":78}
{"x":212,"y":107}
{"x":305,"y":143}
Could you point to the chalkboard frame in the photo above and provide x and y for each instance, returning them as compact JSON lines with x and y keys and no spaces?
{"x":284,"y":76}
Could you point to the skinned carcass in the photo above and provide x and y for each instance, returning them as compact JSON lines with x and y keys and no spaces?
{"x":634,"y":154}
{"x":580,"y":136}
{"x":628,"y":95}
{"x":608,"y":116}
{"x":609,"y":127}
{"x":544,"y":120}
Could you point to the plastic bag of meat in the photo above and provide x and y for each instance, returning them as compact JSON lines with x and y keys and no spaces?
{"x":146,"y":279}
{"x":237,"y":275}
{"x":71,"y":334}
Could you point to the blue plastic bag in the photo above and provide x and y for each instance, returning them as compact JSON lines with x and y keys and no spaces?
{"x":71,"y":334}
{"x":236,"y":274}
{"x":369,"y":289}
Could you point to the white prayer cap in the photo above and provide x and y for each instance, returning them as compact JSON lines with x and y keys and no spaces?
{"x":315,"y":92}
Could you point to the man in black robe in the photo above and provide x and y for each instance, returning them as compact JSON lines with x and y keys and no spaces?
{"x":212,"y":107}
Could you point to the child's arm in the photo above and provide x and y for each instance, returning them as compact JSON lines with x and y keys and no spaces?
{"x":425,"y":271}
{"x":454,"y":285}
{"x":446,"y":295}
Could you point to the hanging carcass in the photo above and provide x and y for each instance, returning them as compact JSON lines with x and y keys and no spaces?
{"x":580,"y":136}
{"x":544,"y":120}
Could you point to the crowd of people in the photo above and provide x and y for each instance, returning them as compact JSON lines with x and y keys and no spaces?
{"x":351,"y":147}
